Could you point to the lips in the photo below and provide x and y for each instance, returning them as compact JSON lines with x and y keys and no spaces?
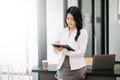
{"x":69,"y":24}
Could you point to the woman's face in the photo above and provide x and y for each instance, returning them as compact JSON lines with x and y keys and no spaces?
{"x":70,"y":20}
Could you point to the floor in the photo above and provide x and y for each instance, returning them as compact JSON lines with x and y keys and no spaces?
{"x":15,"y":77}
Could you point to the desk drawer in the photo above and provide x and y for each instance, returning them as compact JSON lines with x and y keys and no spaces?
{"x":47,"y":76}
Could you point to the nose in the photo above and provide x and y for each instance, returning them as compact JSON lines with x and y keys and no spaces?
{"x":69,"y":20}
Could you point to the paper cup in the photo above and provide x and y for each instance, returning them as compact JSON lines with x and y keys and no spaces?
{"x":45,"y":64}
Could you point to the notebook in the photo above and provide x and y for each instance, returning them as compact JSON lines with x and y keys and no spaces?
{"x":103,"y":62}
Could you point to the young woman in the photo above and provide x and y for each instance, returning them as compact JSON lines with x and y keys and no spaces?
{"x":71,"y":65}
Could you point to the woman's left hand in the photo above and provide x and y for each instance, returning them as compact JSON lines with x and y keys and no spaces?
{"x":59,"y":48}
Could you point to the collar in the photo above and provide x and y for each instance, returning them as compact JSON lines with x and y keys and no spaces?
{"x":75,"y":30}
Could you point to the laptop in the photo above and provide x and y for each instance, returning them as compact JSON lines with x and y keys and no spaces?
{"x":103,"y":62}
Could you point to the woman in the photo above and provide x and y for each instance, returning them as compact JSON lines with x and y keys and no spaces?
{"x":71,"y":65}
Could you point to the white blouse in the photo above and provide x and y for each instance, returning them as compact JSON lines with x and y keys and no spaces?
{"x":76,"y":57}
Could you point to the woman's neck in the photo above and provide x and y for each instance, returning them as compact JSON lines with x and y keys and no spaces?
{"x":71,"y":29}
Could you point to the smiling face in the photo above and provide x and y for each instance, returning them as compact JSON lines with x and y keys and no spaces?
{"x":70,"y":21}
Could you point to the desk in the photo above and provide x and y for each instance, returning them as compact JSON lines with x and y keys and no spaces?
{"x":45,"y":74}
{"x":91,"y":75}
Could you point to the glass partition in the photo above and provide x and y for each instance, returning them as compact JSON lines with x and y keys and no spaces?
{"x":114,"y":29}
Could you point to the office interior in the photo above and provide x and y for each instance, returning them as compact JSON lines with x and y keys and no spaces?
{"x":32,"y":25}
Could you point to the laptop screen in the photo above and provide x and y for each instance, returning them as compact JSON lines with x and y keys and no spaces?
{"x":103,"y":62}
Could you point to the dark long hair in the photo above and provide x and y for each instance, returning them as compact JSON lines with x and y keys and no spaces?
{"x":75,"y":12}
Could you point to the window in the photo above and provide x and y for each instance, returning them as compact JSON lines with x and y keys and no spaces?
{"x":18,"y":32}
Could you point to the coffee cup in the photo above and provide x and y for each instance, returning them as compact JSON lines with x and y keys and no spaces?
{"x":45,"y":64}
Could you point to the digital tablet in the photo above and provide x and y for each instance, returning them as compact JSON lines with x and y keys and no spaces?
{"x":64,"y":46}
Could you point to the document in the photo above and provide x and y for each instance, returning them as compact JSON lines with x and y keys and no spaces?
{"x":64,"y":46}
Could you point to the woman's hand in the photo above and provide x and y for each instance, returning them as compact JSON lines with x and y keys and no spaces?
{"x":59,"y":48}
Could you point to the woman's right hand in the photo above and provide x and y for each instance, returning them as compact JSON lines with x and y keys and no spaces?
{"x":58,"y":48}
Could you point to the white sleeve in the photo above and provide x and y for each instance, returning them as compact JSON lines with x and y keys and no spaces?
{"x":56,"y":51}
{"x":82,"y":46}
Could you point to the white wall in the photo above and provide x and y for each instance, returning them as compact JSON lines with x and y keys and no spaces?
{"x":54,"y":12}
{"x":72,"y":3}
